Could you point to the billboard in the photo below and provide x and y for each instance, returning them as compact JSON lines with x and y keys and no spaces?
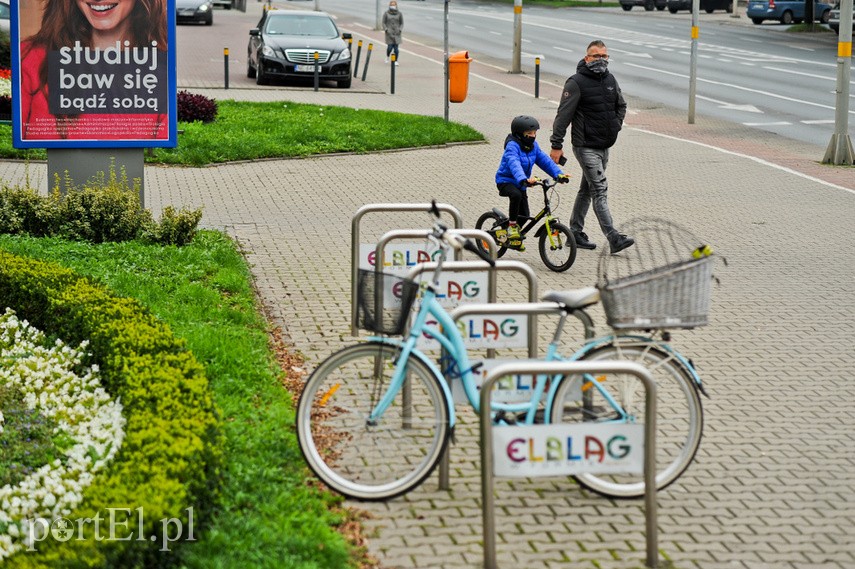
{"x":93,"y":73}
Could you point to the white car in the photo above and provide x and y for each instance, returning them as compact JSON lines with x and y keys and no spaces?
{"x":5,"y":16}
{"x":834,"y":19}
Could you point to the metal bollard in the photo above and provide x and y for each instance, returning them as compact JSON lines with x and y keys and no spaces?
{"x":536,"y":77}
{"x":367,"y":59}
{"x":317,"y":71}
{"x":392,"y":59}
{"x":226,"y":63}
{"x":356,"y":62}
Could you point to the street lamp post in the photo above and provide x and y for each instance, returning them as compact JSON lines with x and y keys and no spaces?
{"x":516,"y":59}
{"x":693,"y":63}
{"x":839,"y":149}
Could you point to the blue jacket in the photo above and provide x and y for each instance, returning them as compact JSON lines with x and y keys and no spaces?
{"x":517,"y":164}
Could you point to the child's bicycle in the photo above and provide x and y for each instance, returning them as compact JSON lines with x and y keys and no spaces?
{"x":556,"y":243}
{"x":374,"y":419}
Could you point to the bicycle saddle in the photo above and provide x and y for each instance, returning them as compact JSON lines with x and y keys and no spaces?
{"x":573,"y":299}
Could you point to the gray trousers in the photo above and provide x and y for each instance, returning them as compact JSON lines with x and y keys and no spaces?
{"x":593,"y":189}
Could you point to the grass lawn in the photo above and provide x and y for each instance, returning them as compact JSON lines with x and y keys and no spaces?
{"x":269,"y":516}
{"x":249,"y":131}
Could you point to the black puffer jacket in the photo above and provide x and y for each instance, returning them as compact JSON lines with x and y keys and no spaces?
{"x":594,"y":105}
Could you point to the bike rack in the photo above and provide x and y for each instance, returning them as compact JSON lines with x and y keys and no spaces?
{"x":568,"y":368}
{"x":354,"y":242}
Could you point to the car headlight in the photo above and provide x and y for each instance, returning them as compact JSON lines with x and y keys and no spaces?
{"x":203,"y":8}
{"x":342,"y":55}
{"x":267,"y":51}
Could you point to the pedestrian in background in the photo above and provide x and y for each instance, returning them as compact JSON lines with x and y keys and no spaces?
{"x":393,"y":25}
{"x":592,"y":102}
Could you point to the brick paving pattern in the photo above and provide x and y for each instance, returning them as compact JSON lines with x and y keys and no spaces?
{"x":773,"y":485}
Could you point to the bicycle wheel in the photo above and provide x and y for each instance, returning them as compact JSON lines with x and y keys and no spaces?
{"x":559,"y":253}
{"x":489,"y":222}
{"x":371,"y":460}
{"x":679,"y":416}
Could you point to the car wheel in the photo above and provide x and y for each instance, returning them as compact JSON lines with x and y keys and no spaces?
{"x":787,"y":17}
{"x":729,"y":9}
{"x":210,"y":20}
{"x":250,"y":70}
{"x":649,"y":6}
{"x":672,"y":10}
{"x":825,"y":17}
{"x":345,"y":83}
{"x":709,"y":11}
{"x":626,"y":7}
{"x":260,"y":77}
{"x":757,"y":21}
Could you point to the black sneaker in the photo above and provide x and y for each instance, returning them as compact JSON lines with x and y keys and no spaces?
{"x":621,"y":243}
{"x":582,"y":241}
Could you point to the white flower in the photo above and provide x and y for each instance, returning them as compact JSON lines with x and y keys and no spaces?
{"x":82,"y":411}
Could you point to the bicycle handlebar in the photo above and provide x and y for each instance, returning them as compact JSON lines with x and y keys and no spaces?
{"x":547,"y":184}
{"x":457,"y":242}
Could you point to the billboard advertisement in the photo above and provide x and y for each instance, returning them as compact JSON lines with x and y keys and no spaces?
{"x":93,"y":73}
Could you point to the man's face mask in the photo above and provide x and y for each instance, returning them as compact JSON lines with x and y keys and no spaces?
{"x":597,"y":65}
{"x":393,"y":7}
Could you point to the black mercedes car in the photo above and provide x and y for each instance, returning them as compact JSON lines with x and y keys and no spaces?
{"x":284,"y":45}
{"x":201,"y":11}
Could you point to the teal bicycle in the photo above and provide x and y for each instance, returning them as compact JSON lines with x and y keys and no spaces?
{"x":374,"y":419}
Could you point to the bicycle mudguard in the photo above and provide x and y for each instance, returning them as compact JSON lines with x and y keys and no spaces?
{"x":449,"y":399}
{"x":678,"y":357}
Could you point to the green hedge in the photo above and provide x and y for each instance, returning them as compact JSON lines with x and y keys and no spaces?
{"x":171,"y":454}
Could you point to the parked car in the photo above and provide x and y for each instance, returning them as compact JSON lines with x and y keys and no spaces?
{"x":785,"y":11}
{"x":708,"y":6}
{"x":194,"y":11}
{"x":834,"y":18}
{"x":5,"y":16}
{"x":646,"y":4}
{"x":227,"y":4}
{"x":285,"y":42}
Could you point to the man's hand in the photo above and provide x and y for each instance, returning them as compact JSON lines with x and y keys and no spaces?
{"x":556,"y":154}
{"x":562,"y":178}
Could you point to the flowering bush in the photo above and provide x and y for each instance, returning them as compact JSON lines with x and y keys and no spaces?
{"x":5,"y":91}
{"x":5,"y":82}
{"x":193,"y":107}
{"x":84,"y":413}
{"x":172,"y":447}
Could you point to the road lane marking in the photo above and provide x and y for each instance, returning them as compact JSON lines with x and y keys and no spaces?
{"x":739,"y":87}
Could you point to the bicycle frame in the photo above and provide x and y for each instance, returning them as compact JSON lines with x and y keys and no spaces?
{"x":451,"y":340}
{"x":544,"y":214}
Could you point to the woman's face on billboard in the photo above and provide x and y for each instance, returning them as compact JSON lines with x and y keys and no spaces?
{"x":107,"y":15}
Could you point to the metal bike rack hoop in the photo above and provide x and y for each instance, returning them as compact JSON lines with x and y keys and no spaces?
{"x":355,"y":235}
{"x":568,"y":368}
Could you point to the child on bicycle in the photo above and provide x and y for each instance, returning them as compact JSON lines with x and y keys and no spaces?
{"x":514,"y":175}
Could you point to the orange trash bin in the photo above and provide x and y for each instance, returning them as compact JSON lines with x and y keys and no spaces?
{"x":458,"y":76}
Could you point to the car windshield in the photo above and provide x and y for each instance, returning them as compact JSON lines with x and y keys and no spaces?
{"x":301,"y":26}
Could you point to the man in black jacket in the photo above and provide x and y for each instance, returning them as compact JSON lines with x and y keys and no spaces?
{"x":593,"y":103}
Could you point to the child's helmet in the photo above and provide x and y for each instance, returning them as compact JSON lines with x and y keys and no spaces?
{"x":523,"y":124}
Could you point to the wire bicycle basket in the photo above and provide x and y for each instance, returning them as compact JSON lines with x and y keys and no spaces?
{"x":384,"y":302}
{"x":664,"y":281}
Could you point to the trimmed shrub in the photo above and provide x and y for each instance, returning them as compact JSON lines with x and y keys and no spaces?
{"x":192,"y":107}
{"x":171,"y":454}
{"x":105,"y":209}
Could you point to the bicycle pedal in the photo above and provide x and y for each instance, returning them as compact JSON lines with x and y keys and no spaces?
{"x":516,"y":244}
{"x":501,"y":235}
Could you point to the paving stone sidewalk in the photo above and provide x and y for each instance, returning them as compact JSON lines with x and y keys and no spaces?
{"x":773,"y":485}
